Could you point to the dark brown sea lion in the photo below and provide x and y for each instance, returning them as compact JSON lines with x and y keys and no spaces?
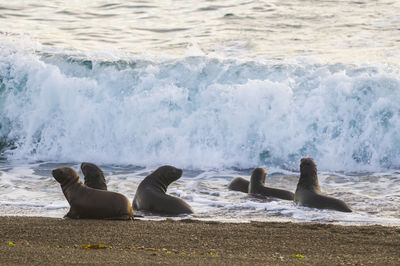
{"x":150,"y":195}
{"x":94,"y":176}
{"x":308,"y":192}
{"x":239,"y":184}
{"x":90,"y":203}
{"x":257,"y":187}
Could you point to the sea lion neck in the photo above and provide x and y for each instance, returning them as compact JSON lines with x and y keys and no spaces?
{"x":70,"y":182}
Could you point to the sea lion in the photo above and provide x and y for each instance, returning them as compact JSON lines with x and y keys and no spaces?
{"x":257,"y":187}
{"x":308,"y":192}
{"x":150,"y":195}
{"x":90,"y":203}
{"x":94,"y":176}
{"x":239,"y":184}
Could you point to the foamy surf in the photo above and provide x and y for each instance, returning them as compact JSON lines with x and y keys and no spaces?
{"x":30,"y":190}
{"x":198,"y":112}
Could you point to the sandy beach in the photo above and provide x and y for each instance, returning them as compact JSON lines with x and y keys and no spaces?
{"x":38,"y":240}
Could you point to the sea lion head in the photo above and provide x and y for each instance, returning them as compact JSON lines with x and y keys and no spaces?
{"x":90,"y":169}
{"x":308,"y":173}
{"x":164,"y":176}
{"x":169,"y":173}
{"x":258,"y":175}
{"x":65,"y":175}
{"x":257,"y":180}
{"x":94,"y":176}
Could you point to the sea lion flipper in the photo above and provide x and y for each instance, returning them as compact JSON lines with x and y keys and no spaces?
{"x":134,"y":205}
{"x":71,"y":214}
{"x":280,"y":193}
{"x":122,"y":217}
{"x":346,"y":208}
{"x":325,"y":202}
{"x":339,"y":205}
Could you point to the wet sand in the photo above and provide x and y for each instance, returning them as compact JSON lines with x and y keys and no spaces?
{"x":38,"y":240}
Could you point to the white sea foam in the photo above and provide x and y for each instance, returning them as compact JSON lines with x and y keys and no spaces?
{"x":198,"y":112}
{"x":30,"y":190}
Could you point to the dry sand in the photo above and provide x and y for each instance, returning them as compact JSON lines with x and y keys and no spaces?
{"x":49,"y":241}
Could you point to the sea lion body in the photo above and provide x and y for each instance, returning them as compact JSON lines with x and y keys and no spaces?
{"x":150,"y":195}
{"x":90,"y":203}
{"x":94,"y":176}
{"x":316,"y":200}
{"x":239,"y":184}
{"x":257,"y":187}
{"x":308,"y":192}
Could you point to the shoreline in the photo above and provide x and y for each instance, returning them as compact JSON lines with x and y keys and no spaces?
{"x":39,"y":240}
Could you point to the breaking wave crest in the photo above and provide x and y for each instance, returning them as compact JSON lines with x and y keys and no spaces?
{"x":197,"y":111}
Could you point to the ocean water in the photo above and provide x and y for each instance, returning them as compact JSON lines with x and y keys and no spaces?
{"x":214,"y":87}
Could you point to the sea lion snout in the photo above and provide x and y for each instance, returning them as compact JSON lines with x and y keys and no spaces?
{"x":172,"y":173}
{"x":58,"y":174}
{"x":56,"y":171}
{"x":178,"y":172}
{"x":63,"y":174}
